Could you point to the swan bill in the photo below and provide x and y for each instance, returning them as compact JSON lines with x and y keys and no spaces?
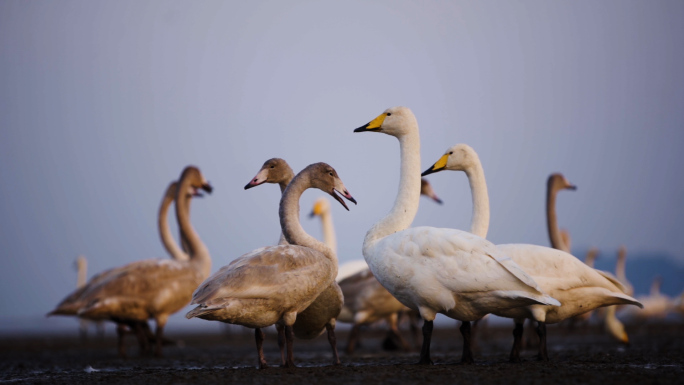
{"x":374,"y":124}
{"x":345,"y":194}
{"x":438,"y":166}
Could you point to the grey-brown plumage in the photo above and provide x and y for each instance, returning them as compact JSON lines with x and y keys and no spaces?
{"x":321,"y":315}
{"x":157,"y":288}
{"x":273,"y":285}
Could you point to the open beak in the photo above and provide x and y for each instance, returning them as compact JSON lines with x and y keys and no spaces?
{"x":207,"y":187}
{"x":345,"y":194}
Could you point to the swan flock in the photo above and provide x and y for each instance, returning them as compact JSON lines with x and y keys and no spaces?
{"x":298,"y":286}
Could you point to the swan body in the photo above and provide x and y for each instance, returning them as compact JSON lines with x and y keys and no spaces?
{"x":576,"y":286}
{"x":656,"y":305}
{"x":351,"y":268}
{"x":322,"y":313}
{"x":154,"y":288}
{"x":273,"y":285}
{"x":435,"y":270}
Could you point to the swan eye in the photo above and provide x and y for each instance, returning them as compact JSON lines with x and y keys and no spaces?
{"x":389,"y":113}
{"x":451,"y":153}
{"x":330,"y":173}
{"x":272,"y":166}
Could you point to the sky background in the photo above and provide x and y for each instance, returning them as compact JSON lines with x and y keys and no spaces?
{"x":102,"y":104}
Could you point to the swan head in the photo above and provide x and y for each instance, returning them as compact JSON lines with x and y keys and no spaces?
{"x":460,"y":157}
{"x":194,"y":181}
{"x":320,"y":207}
{"x":274,"y":170}
{"x":323,"y":177}
{"x":395,"y":121}
{"x":557,"y":182}
{"x":426,"y":189}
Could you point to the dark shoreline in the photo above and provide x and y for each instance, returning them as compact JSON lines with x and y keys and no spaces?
{"x":586,"y":355}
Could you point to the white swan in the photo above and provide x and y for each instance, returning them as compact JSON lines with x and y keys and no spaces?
{"x":275,"y":284}
{"x":436,"y":270}
{"x":154,"y":288}
{"x":620,"y":269}
{"x":323,"y":312}
{"x":355,"y":266}
{"x":578,"y":287}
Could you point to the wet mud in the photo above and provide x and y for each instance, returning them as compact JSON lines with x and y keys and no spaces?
{"x":583,"y":356}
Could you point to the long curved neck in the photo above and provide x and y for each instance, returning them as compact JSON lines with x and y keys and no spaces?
{"x":289,"y":219}
{"x":655,"y":287}
{"x":165,"y":231}
{"x":199,"y":254}
{"x":328,"y":230}
{"x":479,"y":224}
{"x":407,"y":201}
{"x":283,"y":185}
{"x":552,"y":220}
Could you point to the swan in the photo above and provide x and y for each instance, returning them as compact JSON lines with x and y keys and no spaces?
{"x":435,"y":270}
{"x":76,"y":300}
{"x":554,"y":184}
{"x":590,"y":258}
{"x":155,"y":288}
{"x":656,"y":305}
{"x":322,"y":313}
{"x":578,"y":287}
{"x":620,"y":270}
{"x":350,"y":268}
{"x":273,"y":285}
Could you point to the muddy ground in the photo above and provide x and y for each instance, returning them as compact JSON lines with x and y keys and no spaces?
{"x":586,"y":356}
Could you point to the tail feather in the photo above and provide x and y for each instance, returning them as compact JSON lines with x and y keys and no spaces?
{"x":624,"y":299}
{"x":613,"y":279}
{"x":199,"y":311}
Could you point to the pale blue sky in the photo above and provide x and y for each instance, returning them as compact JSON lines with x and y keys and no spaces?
{"x":103,"y":103}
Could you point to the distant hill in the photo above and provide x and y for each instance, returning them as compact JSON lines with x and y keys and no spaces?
{"x":642,"y":268}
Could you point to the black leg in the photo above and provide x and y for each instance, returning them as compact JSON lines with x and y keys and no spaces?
{"x":467,"y":357}
{"x":259,"y":337}
{"x":541,"y":331}
{"x":425,"y":350}
{"x":289,"y":337}
{"x":517,"y":342}
{"x":143,"y":341}
{"x":333,"y":343}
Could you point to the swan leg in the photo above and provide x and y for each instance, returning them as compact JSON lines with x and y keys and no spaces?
{"x":394,"y":330}
{"x":143,"y":341}
{"x":517,"y":342}
{"x":159,"y":335}
{"x":83,"y":330}
{"x":425,"y":349}
{"x":333,"y":342}
{"x":289,"y":338}
{"x":281,"y":343}
{"x":413,"y":326}
{"x":259,"y":337}
{"x":467,"y":356}
{"x":353,"y":337}
{"x":541,"y":331}
{"x":120,"y":333}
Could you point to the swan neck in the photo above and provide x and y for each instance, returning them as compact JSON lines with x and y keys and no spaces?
{"x":165,"y":231}
{"x":328,"y":231}
{"x":552,"y":220}
{"x":198,"y":252}
{"x":479,"y":224}
{"x":283,"y":185}
{"x":289,"y":219}
{"x":620,"y":268}
{"x":406,"y":203}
